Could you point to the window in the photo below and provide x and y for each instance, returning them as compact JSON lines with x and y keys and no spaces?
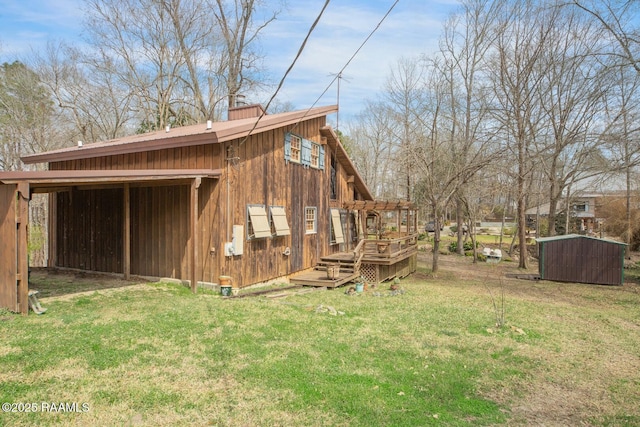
{"x":334,"y":179}
{"x":581,"y":207}
{"x":315,"y":155}
{"x":279,"y":225}
{"x":296,"y":148}
{"x":303,"y":151}
{"x":310,"y":220}
{"x":336,"y":227}
{"x":257,"y":222}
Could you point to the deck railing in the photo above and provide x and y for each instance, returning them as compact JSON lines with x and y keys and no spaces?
{"x":390,"y":248}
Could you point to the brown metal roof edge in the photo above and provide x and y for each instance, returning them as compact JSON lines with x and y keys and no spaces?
{"x":84,"y":176}
{"x":330,"y":134}
{"x":181,"y":137}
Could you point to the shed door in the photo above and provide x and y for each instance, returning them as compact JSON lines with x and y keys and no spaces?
{"x":8,"y":248}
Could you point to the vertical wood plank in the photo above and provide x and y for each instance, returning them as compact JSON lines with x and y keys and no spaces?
{"x":23,"y":241}
{"x":8,"y":247}
{"x":126,"y":233}
{"x":194,"y":235}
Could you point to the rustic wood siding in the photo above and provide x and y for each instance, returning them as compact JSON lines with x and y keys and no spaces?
{"x":582,"y":260}
{"x":8,"y":238}
{"x":254,"y":172}
{"x":89,"y":229}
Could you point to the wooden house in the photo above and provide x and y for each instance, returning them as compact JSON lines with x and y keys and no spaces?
{"x":257,"y":198}
{"x":581,"y":259}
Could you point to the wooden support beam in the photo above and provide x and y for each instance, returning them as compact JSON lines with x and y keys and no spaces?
{"x":22,"y":272}
{"x":126,"y":237}
{"x":193,"y":215}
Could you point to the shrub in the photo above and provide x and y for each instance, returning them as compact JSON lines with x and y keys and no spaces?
{"x":467,"y":246}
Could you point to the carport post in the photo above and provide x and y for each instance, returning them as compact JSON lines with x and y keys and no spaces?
{"x":126,"y":240}
{"x":193,"y":214}
{"x":22,"y":275}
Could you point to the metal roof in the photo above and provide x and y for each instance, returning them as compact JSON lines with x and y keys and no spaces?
{"x":181,"y":137}
{"x":56,"y":178}
{"x":575,"y":236}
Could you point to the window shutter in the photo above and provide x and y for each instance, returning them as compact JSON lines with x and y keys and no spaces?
{"x":321,"y":159}
{"x":279,"y":217}
{"x":306,"y":152}
{"x":287,"y":147}
{"x":337,"y":225}
{"x":259,"y":221}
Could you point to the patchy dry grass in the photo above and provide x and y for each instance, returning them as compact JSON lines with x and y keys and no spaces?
{"x":154,"y":354}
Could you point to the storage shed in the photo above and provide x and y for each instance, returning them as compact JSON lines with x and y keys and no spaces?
{"x":581,"y":259}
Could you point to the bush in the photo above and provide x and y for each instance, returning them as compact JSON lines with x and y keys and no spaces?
{"x":453,"y":228}
{"x":422,"y":236}
{"x":467,"y":246}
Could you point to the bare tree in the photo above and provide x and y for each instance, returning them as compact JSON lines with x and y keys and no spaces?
{"x":620,"y":138}
{"x":89,"y":93}
{"x":620,"y":19}
{"x":182,"y":59}
{"x":373,"y":137}
{"x":467,"y":39}
{"x":522,"y":38}
{"x":405,"y":95}
{"x":27,"y":115}
{"x":571,"y":92}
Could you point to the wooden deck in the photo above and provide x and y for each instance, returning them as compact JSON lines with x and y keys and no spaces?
{"x":375,"y":260}
{"x":319,"y":278}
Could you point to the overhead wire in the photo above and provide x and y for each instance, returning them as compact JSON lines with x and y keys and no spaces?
{"x":302,"y":46}
{"x":339,"y":73}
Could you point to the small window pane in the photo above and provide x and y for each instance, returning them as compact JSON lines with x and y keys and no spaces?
{"x":296,"y":146}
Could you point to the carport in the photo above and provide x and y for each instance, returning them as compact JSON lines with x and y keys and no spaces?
{"x":16,"y":189}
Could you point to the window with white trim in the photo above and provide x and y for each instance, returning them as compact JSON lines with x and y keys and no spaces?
{"x":296,"y":148}
{"x":315,"y":156}
{"x":279,"y":225}
{"x":257,"y":222}
{"x":311,"y":220}
{"x":337,"y":236}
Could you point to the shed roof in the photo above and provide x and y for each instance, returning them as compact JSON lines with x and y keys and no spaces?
{"x":182,"y":136}
{"x":575,"y":236}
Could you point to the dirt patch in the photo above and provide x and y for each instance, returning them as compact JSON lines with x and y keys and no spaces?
{"x":50,"y":282}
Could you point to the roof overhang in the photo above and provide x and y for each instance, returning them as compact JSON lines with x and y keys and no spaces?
{"x":57,"y":180}
{"x":185,"y":136}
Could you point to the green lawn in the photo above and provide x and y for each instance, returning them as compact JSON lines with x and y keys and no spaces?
{"x":155,"y":354}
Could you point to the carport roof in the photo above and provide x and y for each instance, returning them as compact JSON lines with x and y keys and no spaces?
{"x":56,"y":178}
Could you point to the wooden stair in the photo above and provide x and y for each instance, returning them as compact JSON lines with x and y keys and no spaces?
{"x":347,"y":262}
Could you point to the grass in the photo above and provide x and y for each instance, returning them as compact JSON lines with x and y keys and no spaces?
{"x":155,"y":354}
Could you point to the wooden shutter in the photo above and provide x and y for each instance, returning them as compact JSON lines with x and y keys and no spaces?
{"x":279,"y":218}
{"x":259,"y":222}
{"x":337,"y":225}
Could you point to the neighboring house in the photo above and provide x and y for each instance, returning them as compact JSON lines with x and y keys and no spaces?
{"x":253,"y":198}
{"x":583,"y":208}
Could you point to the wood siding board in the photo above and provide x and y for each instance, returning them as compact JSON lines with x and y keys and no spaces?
{"x":8,"y":247}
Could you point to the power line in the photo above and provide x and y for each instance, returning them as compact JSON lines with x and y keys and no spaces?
{"x":304,"y":42}
{"x":339,"y":73}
